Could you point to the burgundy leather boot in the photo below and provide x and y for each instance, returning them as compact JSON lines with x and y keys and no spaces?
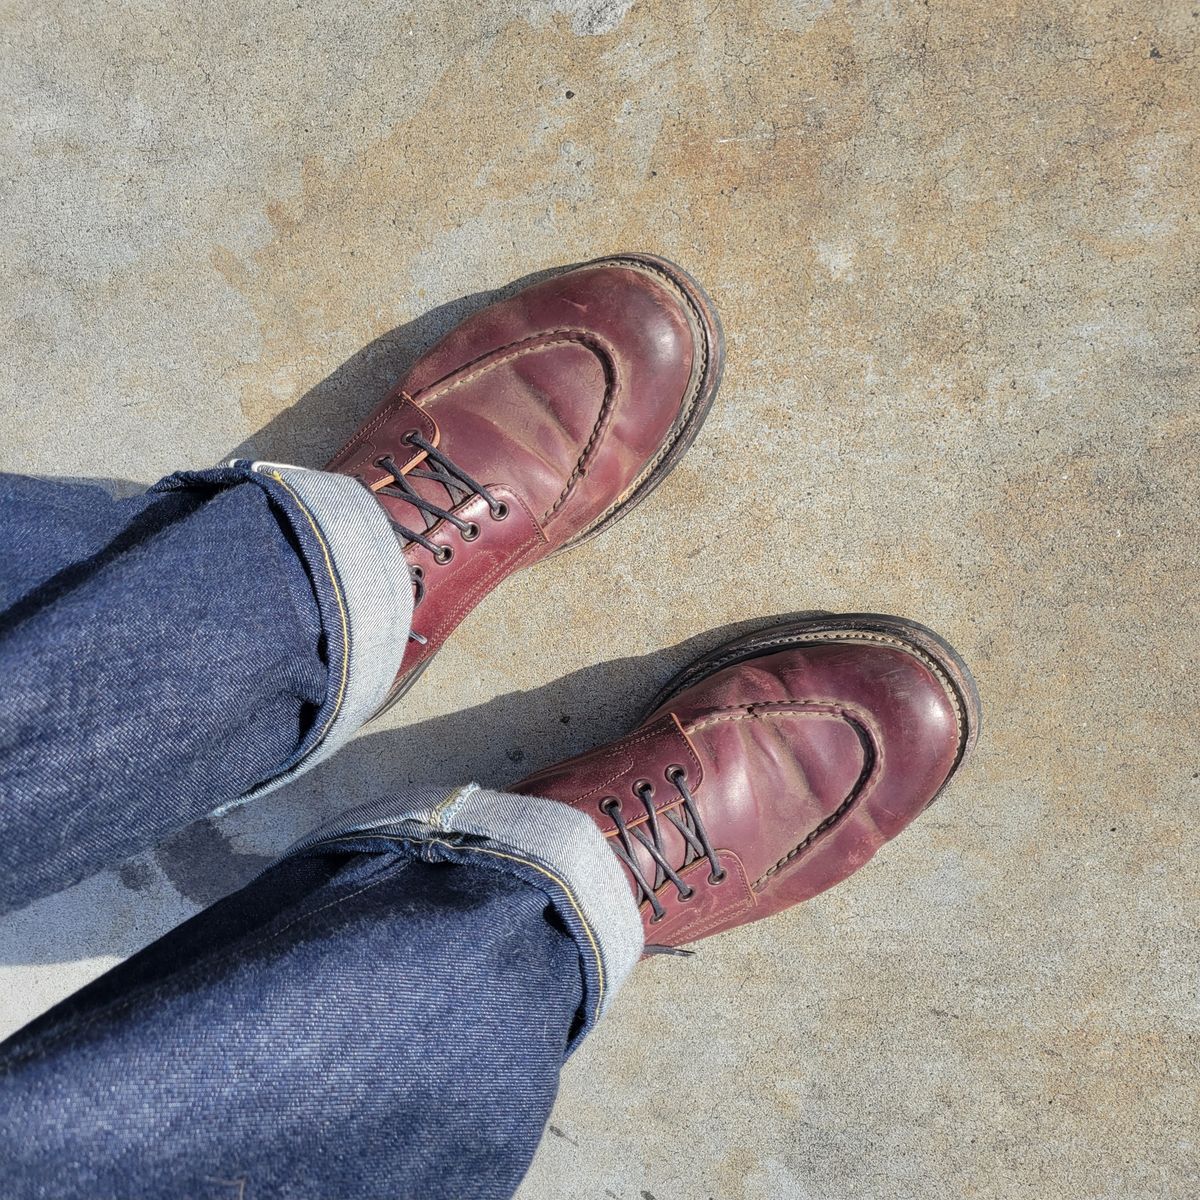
{"x":532,"y":426}
{"x":773,"y":767}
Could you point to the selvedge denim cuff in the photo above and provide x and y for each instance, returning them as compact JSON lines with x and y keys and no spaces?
{"x":549,"y":843}
{"x":363,"y":591}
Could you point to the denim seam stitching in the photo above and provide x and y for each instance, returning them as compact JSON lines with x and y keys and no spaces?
{"x":337,"y":592}
{"x":447,"y":808}
{"x":601,"y":983}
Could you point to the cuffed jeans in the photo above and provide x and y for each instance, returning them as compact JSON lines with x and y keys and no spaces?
{"x":382,"y":1012}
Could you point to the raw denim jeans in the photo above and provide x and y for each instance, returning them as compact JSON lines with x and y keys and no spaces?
{"x":384,"y":1011}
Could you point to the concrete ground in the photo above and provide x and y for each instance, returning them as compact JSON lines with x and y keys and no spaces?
{"x":955,"y":250}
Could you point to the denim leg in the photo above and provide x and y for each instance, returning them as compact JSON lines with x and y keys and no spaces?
{"x":378,"y":1017}
{"x":164,"y":655}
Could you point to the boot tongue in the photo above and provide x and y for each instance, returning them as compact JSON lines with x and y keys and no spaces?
{"x":447,"y":494}
{"x":383,"y":436}
{"x":398,"y":418}
{"x":613,"y":772}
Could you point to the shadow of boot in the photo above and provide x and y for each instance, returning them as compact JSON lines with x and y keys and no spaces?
{"x":494,"y":743}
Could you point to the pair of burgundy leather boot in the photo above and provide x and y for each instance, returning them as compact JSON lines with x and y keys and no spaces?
{"x":769,"y":769}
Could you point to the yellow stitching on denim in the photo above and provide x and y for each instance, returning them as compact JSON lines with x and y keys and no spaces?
{"x":437,"y":816}
{"x":574,"y":904}
{"x":337,"y":592}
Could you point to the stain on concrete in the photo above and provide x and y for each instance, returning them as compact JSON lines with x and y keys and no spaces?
{"x":589,"y":18}
{"x":204,"y":865}
{"x":137,"y":876}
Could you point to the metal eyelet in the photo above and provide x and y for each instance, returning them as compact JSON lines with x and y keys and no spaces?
{"x":655,"y":920}
{"x":470,"y":533}
{"x":500,"y":511}
{"x":718,"y":877}
{"x":609,"y":804}
{"x":675,"y":771}
{"x":684,"y":897}
{"x":417,"y":571}
{"x":643,"y":785}
{"x":409,"y":434}
{"x":443,"y":554}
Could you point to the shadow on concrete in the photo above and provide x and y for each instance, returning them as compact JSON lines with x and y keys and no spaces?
{"x":118,"y":489}
{"x":495,"y":743}
{"x":120,"y":910}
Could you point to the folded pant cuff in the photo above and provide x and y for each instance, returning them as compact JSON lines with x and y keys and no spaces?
{"x":364,"y":594}
{"x":564,"y":849}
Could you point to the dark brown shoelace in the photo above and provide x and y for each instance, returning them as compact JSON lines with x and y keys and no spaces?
{"x":691,"y":829}
{"x":459,"y":487}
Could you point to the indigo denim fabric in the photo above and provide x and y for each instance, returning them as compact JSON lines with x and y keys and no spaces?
{"x":559,"y":842}
{"x":364,"y":593}
{"x":383,"y":1012}
{"x":375,"y":1018}
{"x":163,"y":655}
